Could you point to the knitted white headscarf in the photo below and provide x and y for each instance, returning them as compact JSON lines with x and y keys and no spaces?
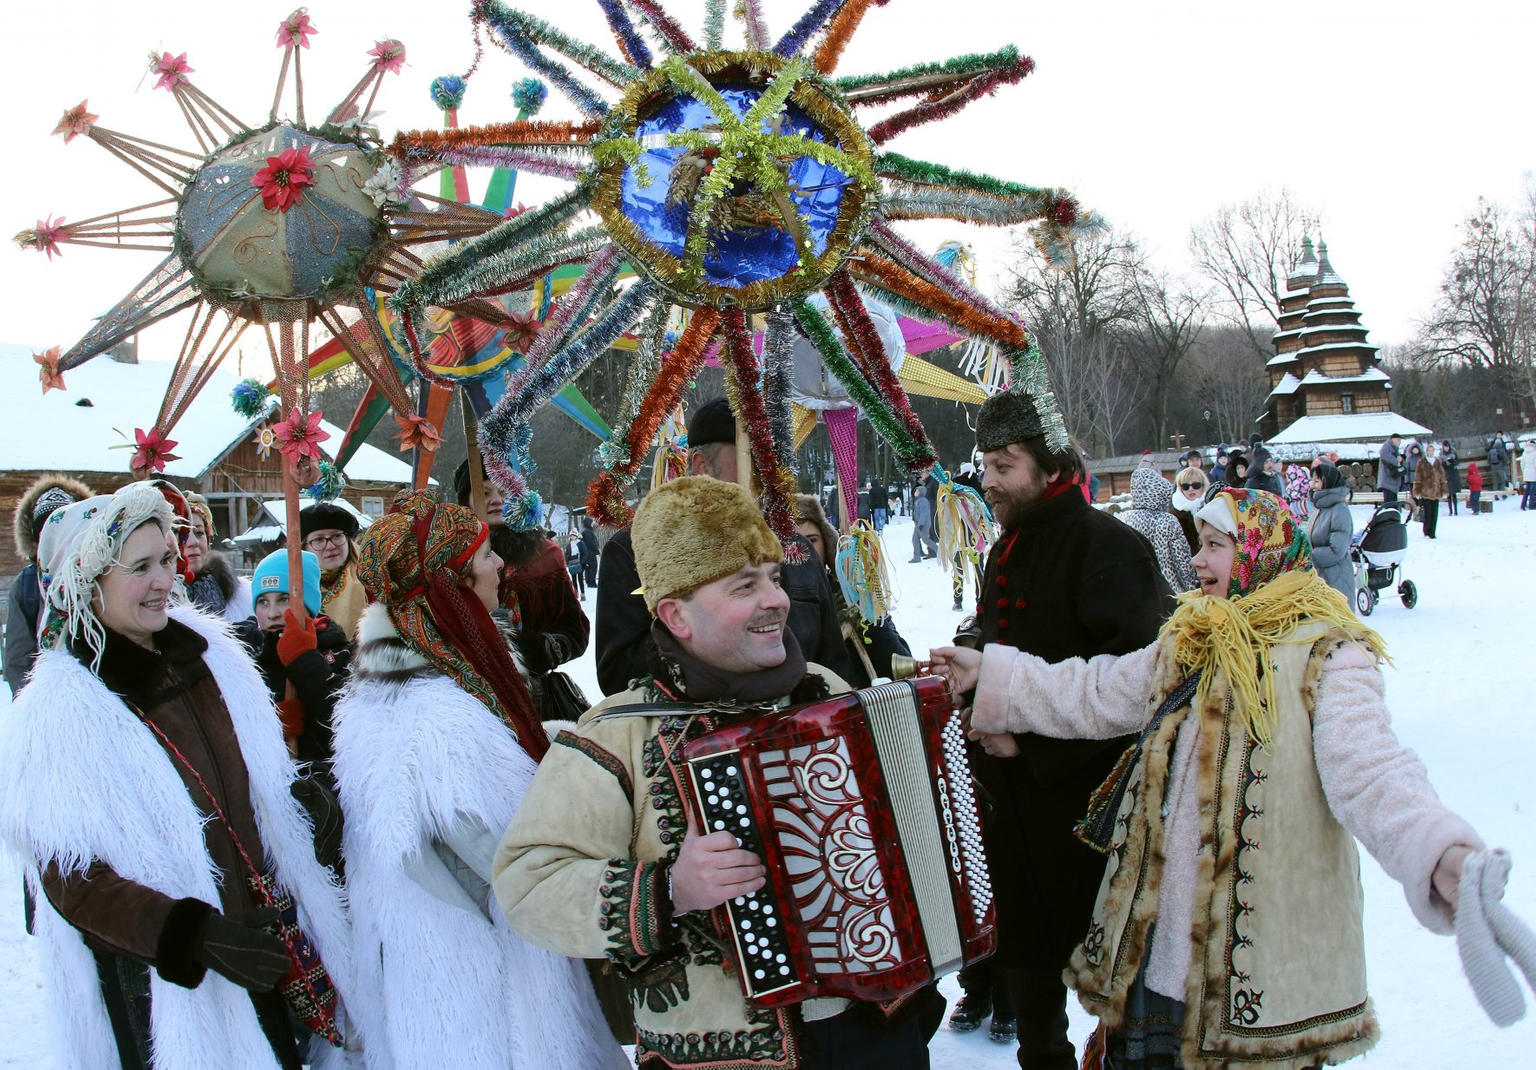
{"x":78,"y":544}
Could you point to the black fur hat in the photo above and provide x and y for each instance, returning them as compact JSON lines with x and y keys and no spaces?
{"x":1006,"y":418}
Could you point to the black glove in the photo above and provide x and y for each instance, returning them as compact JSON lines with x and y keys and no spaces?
{"x":243,"y":951}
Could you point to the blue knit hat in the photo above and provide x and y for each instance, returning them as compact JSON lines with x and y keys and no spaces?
{"x":272,"y":575}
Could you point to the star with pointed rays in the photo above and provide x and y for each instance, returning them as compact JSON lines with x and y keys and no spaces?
{"x":735,"y":181}
{"x":275,"y":226}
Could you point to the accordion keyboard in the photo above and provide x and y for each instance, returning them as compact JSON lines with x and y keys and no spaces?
{"x":762,"y":948}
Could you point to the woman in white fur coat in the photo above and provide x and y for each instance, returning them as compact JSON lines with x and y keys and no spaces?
{"x":1228,"y":929}
{"x":144,"y":781}
{"x":435,"y":743}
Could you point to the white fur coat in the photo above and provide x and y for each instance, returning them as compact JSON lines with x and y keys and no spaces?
{"x":439,"y":983}
{"x":82,"y":779}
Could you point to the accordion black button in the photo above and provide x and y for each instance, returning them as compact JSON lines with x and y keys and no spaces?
{"x":665,"y":837}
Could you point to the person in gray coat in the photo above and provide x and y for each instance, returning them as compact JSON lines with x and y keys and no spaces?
{"x":1389,"y":472}
{"x":923,"y":543}
{"x":1332,"y":530}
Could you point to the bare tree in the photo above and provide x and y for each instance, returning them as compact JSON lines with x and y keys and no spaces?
{"x":1226,"y":382}
{"x":1077,"y":316}
{"x":1168,"y":322}
{"x":1247,"y":250}
{"x":1486,"y":312}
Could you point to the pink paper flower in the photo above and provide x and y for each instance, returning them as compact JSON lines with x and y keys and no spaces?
{"x":299,"y":435}
{"x":173,"y":70}
{"x":283,"y":180}
{"x":76,"y":121}
{"x":416,"y":432}
{"x":48,"y":370}
{"x":45,"y":236}
{"x":520,"y":329}
{"x":295,"y":31}
{"x":153,"y":450}
{"x":388,"y":56}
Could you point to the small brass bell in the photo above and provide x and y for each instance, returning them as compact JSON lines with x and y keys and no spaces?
{"x":904,"y":667}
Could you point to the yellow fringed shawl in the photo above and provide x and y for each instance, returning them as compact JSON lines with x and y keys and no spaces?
{"x":1233,"y":634}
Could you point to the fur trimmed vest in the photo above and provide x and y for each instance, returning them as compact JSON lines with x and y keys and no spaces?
{"x":1277,"y":973}
{"x":428,"y":779}
{"x":82,"y":779}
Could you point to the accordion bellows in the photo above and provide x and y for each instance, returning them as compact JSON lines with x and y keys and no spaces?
{"x":862,"y":810}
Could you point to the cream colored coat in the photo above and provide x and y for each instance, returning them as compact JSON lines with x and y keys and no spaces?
{"x":1243,"y":855}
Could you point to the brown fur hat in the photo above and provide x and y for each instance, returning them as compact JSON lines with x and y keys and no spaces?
{"x":26,"y":525}
{"x":693,"y":531}
{"x":811,"y":512}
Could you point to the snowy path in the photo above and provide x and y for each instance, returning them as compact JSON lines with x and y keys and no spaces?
{"x":1461,"y":695}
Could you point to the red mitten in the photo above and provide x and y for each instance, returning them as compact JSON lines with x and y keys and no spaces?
{"x":298,"y":637}
{"x":291,"y":712}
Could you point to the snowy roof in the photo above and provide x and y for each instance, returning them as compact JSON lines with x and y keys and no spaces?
{"x":1309,"y":350}
{"x":1344,"y":428}
{"x":54,"y":431}
{"x":1287,"y":385}
{"x":1280,"y":358}
{"x":1370,"y":375}
{"x":272,"y":522}
{"x":1344,"y":300}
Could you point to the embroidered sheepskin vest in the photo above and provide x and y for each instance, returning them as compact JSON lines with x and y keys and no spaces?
{"x":1277,"y":971}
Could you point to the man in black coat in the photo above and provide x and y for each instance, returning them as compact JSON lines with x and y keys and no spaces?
{"x":623,"y":622}
{"x":1064,"y":580}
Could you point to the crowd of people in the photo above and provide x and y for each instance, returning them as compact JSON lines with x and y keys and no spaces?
{"x":369,"y":822}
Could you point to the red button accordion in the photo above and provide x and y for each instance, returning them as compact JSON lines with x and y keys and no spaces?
{"x":862,"y":811}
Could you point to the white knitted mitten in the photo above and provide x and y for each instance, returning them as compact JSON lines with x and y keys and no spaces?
{"x":1487,"y":931}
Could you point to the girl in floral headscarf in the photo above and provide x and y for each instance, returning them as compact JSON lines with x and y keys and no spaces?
{"x":435,"y":741}
{"x":1228,"y":926}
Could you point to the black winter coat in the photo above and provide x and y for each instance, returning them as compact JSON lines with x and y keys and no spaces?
{"x":624,"y":624}
{"x":317,"y":677}
{"x":1070,"y":582}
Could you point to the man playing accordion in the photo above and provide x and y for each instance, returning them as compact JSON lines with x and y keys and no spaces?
{"x":603,"y":861}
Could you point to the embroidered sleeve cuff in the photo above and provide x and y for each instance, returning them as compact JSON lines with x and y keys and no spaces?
{"x":173,"y":950}
{"x":636,"y":911}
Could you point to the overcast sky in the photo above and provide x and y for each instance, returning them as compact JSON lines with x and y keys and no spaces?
{"x":1389,"y":118}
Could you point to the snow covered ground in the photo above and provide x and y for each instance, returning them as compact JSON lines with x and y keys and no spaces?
{"x":1461,"y":695}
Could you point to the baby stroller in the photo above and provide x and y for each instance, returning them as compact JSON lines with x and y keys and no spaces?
{"x":1378,"y":552}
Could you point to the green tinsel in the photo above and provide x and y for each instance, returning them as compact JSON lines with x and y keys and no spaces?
{"x":963,"y":205}
{"x":895,"y":166}
{"x":881,"y":416}
{"x":610,"y":70}
{"x":714,"y":23}
{"x":249,"y":398}
{"x":652,"y":335}
{"x":971,"y":63}
{"x":330,"y":484}
{"x":452,"y":275}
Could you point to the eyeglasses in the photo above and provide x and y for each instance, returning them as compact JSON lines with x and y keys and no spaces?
{"x":316,"y":542}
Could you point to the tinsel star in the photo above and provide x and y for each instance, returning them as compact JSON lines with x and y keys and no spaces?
{"x":295,"y":30}
{"x":76,"y":121}
{"x":48,"y":370}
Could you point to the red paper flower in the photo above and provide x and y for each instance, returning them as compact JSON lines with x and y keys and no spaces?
{"x":299,"y":435}
{"x":173,"y":70}
{"x":76,"y":121}
{"x":295,"y":30}
{"x":153,"y":451}
{"x":388,"y":56}
{"x":48,"y":370}
{"x":416,"y":432}
{"x":44,"y":237}
{"x":283,"y":180}
{"x":521,"y":328}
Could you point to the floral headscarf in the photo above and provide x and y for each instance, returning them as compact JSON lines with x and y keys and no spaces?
{"x":415,"y":560}
{"x":1269,"y":541}
{"x":1273,"y":590}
